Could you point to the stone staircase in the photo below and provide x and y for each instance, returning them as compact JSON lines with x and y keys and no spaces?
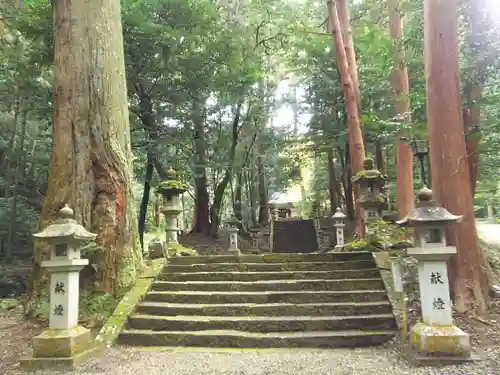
{"x":293,"y":235}
{"x":265,"y":301}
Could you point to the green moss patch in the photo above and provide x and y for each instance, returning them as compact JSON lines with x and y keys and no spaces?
{"x":116,"y":322}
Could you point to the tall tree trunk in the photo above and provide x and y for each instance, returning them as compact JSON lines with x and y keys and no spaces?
{"x":143,"y":210}
{"x":201,"y":217}
{"x":401,"y":87}
{"x":91,"y":163}
{"x":332,"y":182}
{"x":21,"y":156}
{"x":238,"y":196}
{"x":345,"y":26}
{"x":357,"y":148}
{"x":263,"y":198}
{"x":479,"y":27}
{"x":349,"y":195}
{"x":220,"y":189}
{"x":450,"y":173}
{"x":379,"y":156}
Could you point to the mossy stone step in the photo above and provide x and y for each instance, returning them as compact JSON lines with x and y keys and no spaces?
{"x":268,"y":309}
{"x":256,"y":276}
{"x":273,"y":258}
{"x":262,"y":324}
{"x":296,"y":297}
{"x":270,"y":267}
{"x":236,"y":339}
{"x":269,"y":285}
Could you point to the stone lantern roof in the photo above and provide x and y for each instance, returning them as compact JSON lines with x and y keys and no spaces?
{"x":428,"y":213}
{"x":369,"y":175}
{"x":233,"y":221}
{"x":65,"y":227}
{"x":171,"y":185}
{"x":339,"y":215}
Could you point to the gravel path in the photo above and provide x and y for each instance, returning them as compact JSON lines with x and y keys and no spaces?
{"x":372,"y":361}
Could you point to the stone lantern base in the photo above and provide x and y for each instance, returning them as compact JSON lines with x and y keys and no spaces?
{"x":440,"y":341}
{"x":59,"y":348}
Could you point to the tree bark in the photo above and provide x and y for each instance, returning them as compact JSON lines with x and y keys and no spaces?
{"x":401,"y":87}
{"x":345,"y":26}
{"x":21,"y":156}
{"x":263,"y":196}
{"x":143,"y":210}
{"x":356,"y":146}
{"x":450,"y":173}
{"x":332,"y":182}
{"x":201,"y":215}
{"x":91,"y":162}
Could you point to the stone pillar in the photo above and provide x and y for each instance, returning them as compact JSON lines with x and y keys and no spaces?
{"x":232,"y":228}
{"x":255,"y":235}
{"x":338,"y":223}
{"x":435,"y":335}
{"x":171,"y":190}
{"x":64,"y":340}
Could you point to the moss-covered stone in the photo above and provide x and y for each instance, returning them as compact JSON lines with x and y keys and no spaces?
{"x":175,"y":250}
{"x":55,"y":343}
{"x":440,"y":340}
{"x":116,"y":322}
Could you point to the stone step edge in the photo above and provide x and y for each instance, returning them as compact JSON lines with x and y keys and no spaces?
{"x":256,"y":273}
{"x":196,"y":318}
{"x":234,"y":333}
{"x":264,"y":282}
{"x":269,"y":263}
{"x":198,"y":293}
{"x":284,"y":304}
{"x":272,"y":255}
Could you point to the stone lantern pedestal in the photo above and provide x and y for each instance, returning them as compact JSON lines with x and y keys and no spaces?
{"x":372,"y":186}
{"x":232,"y":228}
{"x":171,"y":190}
{"x":436,"y":335}
{"x":339,"y":225}
{"x":64,"y":341}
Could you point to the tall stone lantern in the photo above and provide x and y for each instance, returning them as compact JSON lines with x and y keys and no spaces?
{"x":436,"y":335}
{"x":171,"y":190}
{"x":64,"y":340}
{"x":339,"y":225}
{"x":232,"y":228}
{"x":372,"y":185}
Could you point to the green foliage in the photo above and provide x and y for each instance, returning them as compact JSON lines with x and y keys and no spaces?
{"x":382,"y":235}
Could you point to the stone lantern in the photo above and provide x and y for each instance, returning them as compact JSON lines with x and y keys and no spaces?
{"x":232,"y":228}
{"x":435,"y":335}
{"x":339,"y":224}
{"x":171,"y":190}
{"x":64,"y":339}
{"x":372,"y":186}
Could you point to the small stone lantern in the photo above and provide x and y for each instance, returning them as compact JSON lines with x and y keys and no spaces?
{"x":339,"y":224}
{"x":232,"y":228}
{"x":435,"y":335}
{"x":171,"y":190}
{"x":64,"y":339}
{"x":372,"y":185}
{"x":254,"y":235}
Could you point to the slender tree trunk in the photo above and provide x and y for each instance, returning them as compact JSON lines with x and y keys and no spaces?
{"x":238,"y":196}
{"x":332,"y":182}
{"x":401,"y":87}
{"x":91,"y":164}
{"x":143,"y":210}
{"x":379,"y":156}
{"x":15,"y":194}
{"x":349,"y":195}
{"x":345,"y":26}
{"x":263,"y":198}
{"x":201,"y":217}
{"x":357,"y":148}
{"x":450,"y":173}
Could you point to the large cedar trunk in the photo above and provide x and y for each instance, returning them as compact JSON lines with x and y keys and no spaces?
{"x":450,"y":173}
{"x":401,"y":87}
{"x":356,"y":146}
{"x":91,"y":163}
